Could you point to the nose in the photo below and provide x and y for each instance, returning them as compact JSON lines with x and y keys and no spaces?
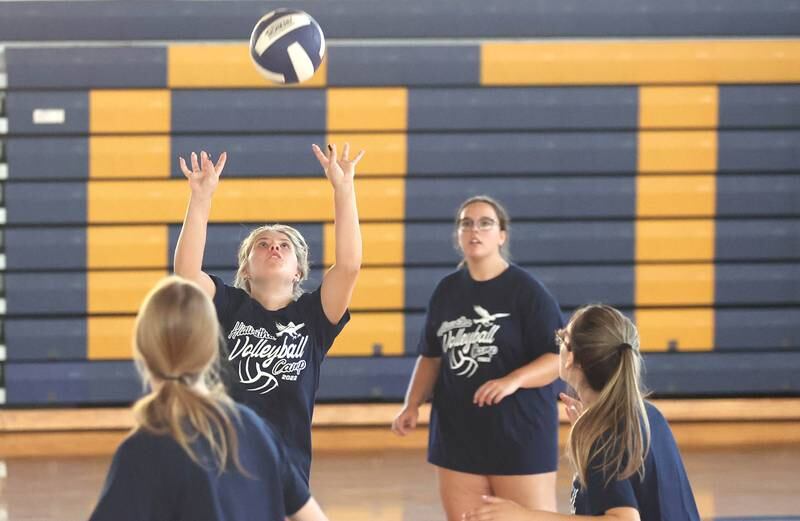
{"x":274,"y":247}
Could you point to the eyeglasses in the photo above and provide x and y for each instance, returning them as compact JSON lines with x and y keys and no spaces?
{"x":561,"y":339}
{"x":483,"y":224}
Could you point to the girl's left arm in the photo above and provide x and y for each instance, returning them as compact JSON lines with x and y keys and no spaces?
{"x":339,"y":281}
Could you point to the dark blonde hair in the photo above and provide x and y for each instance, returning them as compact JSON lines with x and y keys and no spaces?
{"x":300,"y":250}
{"x":503,"y":222}
{"x":614,"y":429}
{"x":176,"y":342}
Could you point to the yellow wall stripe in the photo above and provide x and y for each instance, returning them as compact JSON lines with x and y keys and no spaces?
{"x":675,"y":240}
{"x":365,"y":335}
{"x":386,"y":154}
{"x":641,"y":62}
{"x":110,"y":338}
{"x":678,"y":107}
{"x":240,"y":200}
{"x":368,"y":334}
{"x":129,"y":156}
{"x":223,"y":65}
{"x":682,"y":329}
{"x":674,"y":285}
{"x":660,"y":244}
{"x":379,"y":288}
{"x":129,"y":111}
{"x":119,"y":291}
{"x":676,"y":196}
{"x":383,"y":243}
{"x":677,"y":151}
{"x":369,"y":108}
{"x":126,"y":247}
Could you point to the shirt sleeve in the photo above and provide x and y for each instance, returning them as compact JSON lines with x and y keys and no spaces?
{"x":129,"y":490}
{"x":325,"y":331}
{"x":222,"y":301}
{"x":429,"y":344}
{"x":604,"y":496}
{"x":542,"y":318}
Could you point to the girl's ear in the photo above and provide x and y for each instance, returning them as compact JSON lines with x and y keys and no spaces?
{"x":569,"y":362}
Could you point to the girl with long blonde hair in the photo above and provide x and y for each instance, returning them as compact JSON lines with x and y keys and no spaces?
{"x":195,"y":454}
{"x":277,"y":334}
{"x":627,"y":464}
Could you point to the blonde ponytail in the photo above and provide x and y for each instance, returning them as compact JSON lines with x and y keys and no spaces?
{"x":176,"y":345}
{"x":613,"y":430}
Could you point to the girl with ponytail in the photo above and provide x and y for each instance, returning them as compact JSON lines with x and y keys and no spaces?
{"x":627,"y":464}
{"x":183,"y":460}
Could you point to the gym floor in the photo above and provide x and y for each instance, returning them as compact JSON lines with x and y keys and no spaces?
{"x":398,"y":485}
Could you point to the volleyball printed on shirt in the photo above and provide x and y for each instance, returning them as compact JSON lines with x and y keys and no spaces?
{"x":287,"y":46}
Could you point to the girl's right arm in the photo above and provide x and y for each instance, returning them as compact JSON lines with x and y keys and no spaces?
{"x":203,"y":180}
{"x":420,"y":389}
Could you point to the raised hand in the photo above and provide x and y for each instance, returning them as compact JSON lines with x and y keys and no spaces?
{"x":339,"y":170}
{"x":204,"y":175}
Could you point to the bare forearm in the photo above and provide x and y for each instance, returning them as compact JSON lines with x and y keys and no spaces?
{"x":348,"y":233}
{"x":538,"y":373}
{"x":426,"y":372}
{"x":309,"y":512}
{"x":192,"y":240}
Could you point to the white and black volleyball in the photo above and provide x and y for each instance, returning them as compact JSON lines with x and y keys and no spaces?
{"x":287,"y":46}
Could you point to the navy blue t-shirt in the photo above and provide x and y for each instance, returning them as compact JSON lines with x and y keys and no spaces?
{"x":485,"y":330}
{"x":274,"y":358}
{"x":153,"y":479}
{"x":663,"y":495}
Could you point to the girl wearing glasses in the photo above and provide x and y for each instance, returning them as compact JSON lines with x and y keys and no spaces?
{"x":489,"y":358}
{"x":627,"y":465}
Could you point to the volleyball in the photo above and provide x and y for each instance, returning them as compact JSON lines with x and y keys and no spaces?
{"x":287,"y":46}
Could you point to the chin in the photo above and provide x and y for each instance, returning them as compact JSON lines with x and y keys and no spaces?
{"x":476,"y":253}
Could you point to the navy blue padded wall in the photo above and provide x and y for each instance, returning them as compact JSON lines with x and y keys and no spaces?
{"x":45,"y":203}
{"x":85,"y":67}
{"x":551,"y":153}
{"x":26,"y":112}
{"x":759,"y":151}
{"x":225,"y":20}
{"x":526,"y":198}
{"x":30,"y":339}
{"x":526,"y":108}
{"x":254,"y":155}
{"x":241,"y":110}
{"x":531,"y":242}
{"x":758,"y":195}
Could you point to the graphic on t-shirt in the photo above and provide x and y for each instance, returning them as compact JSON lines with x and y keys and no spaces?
{"x":486,"y":317}
{"x":265,"y":358}
{"x":290,"y":329}
{"x":470,"y":341}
